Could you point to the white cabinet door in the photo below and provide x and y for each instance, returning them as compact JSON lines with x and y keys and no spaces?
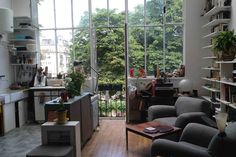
{"x":9,"y":117}
{"x":22,"y":109}
{"x":40,"y":98}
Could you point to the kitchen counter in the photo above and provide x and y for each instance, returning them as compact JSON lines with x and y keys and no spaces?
{"x":47,"y":88}
{"x":9,"y":95}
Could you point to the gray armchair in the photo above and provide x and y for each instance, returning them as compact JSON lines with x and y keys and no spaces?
{"x":198,"y":140}
{"x":185,"y":110}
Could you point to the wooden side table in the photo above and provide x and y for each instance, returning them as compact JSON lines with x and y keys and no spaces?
{"x":138,"y":129}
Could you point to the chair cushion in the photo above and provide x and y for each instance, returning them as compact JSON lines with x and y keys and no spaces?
{"x":51,"y":151}
{"x":189,"y":104}
{"x":193,"y":146}
{"x":167,"y":120}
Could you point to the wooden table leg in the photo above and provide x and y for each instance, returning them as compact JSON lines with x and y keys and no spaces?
{"x":126,"y":133}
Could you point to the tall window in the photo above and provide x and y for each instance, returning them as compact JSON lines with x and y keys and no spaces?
{"x":60,"y":23}
{"x":155,"y":34}
{"x":93,"y":31}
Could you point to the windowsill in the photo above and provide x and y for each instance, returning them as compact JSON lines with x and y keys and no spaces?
{"x":152,"y":77}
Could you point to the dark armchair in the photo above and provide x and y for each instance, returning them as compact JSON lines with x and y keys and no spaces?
{"x":198,"y":140}
{"x":185,"y":110}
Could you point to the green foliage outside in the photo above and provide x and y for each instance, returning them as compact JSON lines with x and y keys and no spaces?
{"x":110,"y":40}
{"x":116,"y":106}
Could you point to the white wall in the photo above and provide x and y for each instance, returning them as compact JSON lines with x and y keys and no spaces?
{"x":5,"y":68}
{"x":21,"y":7}
{"x":233,"y":16}
{"x":193,"y":42}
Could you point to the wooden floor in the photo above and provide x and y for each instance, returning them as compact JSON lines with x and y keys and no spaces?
{"x":109,"y":141}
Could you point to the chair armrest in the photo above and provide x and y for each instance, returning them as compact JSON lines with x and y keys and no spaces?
{"x":198,"y":134}
{"x":159,"y":111}
{"x":163,"y":147}
{"x":193,"y":117}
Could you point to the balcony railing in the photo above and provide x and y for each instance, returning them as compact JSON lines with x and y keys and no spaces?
{"x":111,"y":100}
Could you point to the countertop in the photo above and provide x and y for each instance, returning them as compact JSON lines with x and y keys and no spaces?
{"x":8,"y":95}
{"x":47,"y":88}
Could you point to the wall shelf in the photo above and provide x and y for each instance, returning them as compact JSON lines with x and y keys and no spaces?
{"x":217,"y":9}
{"x":207,"y":47}
{"x":211,"y":35}
{"x":211,"y":89}
{"x":210,"y":68}
{"x":228,"y":83}
{"x":216,"y":22}
{"x":210,"y":79}
{"x":210,"y":57}
{"x":209,"y":99}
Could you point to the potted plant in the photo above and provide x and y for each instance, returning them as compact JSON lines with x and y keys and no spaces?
{"x":224,"y":45}
{"x":73,"y":83}
{"x":61,"y":113}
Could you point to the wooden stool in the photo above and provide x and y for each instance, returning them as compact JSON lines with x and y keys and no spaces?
{"x":51,"y":151}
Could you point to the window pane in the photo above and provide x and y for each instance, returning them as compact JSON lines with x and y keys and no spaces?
{"x":117,"y":13}
{"x":174,"y":47}
{"x":154,"y":12}
{"x":136,"y":12}
{"x":48,"y":51}
{"x":80,"y":13}
{"x":64,"y":38}
{"x":174,"y":11}
{"x":110,"y":53}
{"x":154,"y":49}
{"x":63,"y":13}
{"x":136,"y":49}
{"x":46,"y":14}
{"x":81,"y":48}
{"x":100,"y":14}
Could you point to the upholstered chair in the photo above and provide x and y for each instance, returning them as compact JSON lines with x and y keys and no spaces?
{"x":198,"y":140}
{"x":184,"y":111}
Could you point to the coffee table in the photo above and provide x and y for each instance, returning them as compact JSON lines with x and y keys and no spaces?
{"x":138,"y":129}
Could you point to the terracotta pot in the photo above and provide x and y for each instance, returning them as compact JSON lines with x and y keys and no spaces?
{"x":61,"y":116}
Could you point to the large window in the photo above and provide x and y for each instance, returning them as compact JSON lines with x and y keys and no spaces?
{"x":155,"y":35}
{"x":92,"y":31}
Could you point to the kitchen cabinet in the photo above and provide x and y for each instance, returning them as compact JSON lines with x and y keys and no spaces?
{"x":39,"y":96}
{"x":9,"y":119}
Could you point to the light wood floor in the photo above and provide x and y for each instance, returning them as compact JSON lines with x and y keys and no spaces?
{"x":109,"y":141}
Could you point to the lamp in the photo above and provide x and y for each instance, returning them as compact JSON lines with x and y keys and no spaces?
{"x":6,"y":18}
{"x":185,"y":86}
{"x":221,"y":119}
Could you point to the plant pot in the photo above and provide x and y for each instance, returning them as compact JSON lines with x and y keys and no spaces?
{"x":61,"y":116}
{"x":227,"y":56}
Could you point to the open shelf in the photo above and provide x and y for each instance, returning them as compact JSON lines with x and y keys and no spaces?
{"x":226,"y":62}
{"x":22,"y":40}
{"x":211,"y":89}
{"x":217,"y":9}
{"x":216,"y":22}
{"x":228,"y":83}
{"x":227,"y":103}
{"x":207,"y":47}
{"x":210,"y":79}
{"x":210,"y":57}
{"x":207,"y":98}
{"x":211,"y":35}
{"x":210,"y":68}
